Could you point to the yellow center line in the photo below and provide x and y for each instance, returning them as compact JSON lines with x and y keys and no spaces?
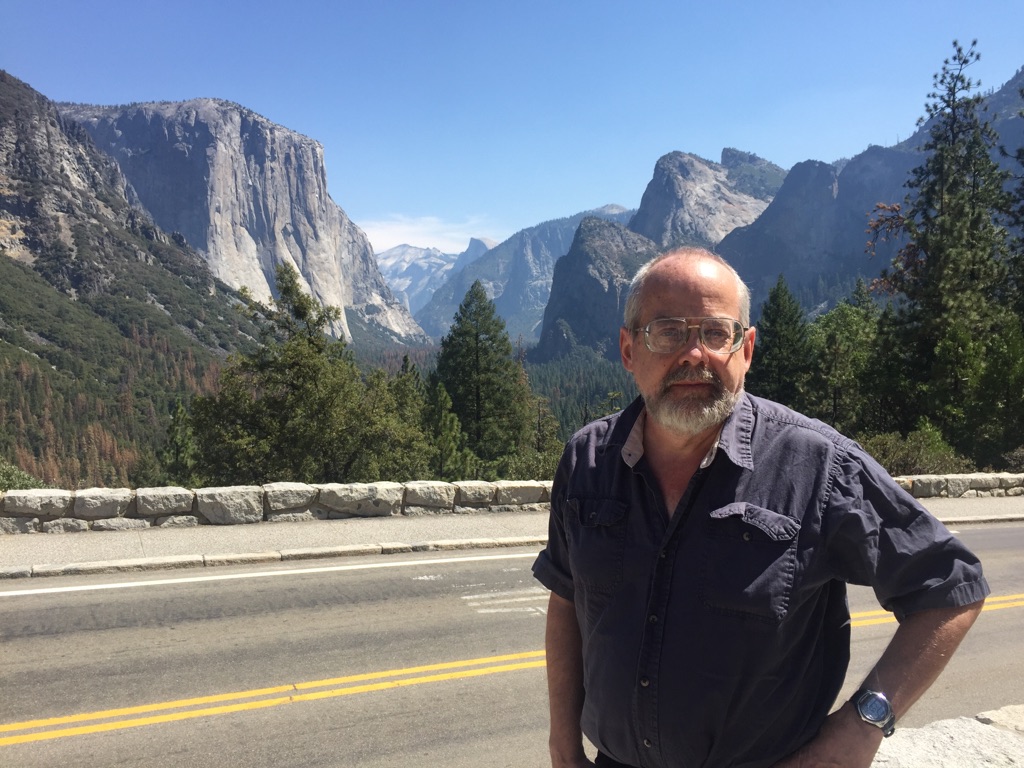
{"x":869,"y":618}
{"x":259,"y":692}
{"x":262,"y":698}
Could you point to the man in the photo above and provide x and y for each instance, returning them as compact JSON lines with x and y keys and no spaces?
{"x":700,"y":545}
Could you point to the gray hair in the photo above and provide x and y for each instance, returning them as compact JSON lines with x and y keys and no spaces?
{"x":631,"y":315}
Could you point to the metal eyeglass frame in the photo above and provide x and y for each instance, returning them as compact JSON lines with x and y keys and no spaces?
{"x":738,"y":332}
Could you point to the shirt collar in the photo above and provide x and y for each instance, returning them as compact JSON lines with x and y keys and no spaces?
{"x":733,"y":438}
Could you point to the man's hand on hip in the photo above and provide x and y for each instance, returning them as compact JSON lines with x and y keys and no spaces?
{"x":844,"y":741}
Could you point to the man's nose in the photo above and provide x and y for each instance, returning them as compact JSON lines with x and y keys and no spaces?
{"x":692,"y":350}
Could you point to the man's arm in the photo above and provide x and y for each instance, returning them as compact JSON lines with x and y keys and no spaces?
{"x":565,"y":684}
{"x":917,"y":653}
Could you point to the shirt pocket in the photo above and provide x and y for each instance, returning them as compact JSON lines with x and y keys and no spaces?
{"x":748,"y":561}
{"x":597,"y":541}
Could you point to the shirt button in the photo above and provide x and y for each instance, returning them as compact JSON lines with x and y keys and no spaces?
{"x":747,"y":536}
{"x":653,"y":618}
{"x":647,"y":743}
{"x":663,"y":554}
{"x":644,"y":682}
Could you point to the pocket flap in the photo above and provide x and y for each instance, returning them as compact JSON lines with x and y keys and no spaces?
{"x":775,"y":526}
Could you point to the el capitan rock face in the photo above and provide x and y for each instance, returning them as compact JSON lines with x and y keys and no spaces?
{"x":248,"y":194}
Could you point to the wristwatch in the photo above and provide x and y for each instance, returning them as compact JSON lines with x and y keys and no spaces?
{"x":875,"y":709}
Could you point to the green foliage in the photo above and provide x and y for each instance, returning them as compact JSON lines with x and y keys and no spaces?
{"x":12,"y":478}
{"x":783,"y":352}
{"x":582,"y":386}
{"x":953,"y":324}
{"x":922,"y":452}
{"x":489,"y":391}
{"x":842,"y":340}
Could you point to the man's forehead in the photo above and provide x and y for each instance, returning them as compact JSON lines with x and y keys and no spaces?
{"x":692,"y":278}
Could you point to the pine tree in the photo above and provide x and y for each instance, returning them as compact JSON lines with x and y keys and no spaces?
{"x":951,"y":272}
{"x":782,"y":355}
{"x":490,"y":395}
{"x":288,"y":411}
{"x":842,"y":340}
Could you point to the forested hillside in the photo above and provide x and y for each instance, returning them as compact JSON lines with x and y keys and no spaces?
{"x":104,"y":320}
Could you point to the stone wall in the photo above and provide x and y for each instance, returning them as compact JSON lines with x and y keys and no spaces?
{"x":115,"y":509}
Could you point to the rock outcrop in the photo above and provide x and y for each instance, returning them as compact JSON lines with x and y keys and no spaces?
{"x":814,"y":232}
{"x":516,"y":275}
{"x":692,"y":201}
{"x":589,"y":287}
{"x":248,"y":194}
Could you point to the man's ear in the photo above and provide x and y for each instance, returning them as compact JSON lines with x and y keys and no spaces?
{"x":626,"y":348}
{"x":748,"y":345}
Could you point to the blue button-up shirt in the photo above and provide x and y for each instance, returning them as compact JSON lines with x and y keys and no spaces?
{"x":720,"y":635}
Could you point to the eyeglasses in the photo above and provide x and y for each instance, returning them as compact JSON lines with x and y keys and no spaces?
{"x":670,"y":334}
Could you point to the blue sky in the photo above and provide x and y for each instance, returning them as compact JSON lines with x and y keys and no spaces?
{"x":446,"y":120}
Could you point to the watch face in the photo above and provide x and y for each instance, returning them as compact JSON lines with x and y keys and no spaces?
{"x":874,"y":708}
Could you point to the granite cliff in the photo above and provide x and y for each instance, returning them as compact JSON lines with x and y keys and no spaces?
{"x":693,"y":201}
{"x":516,"y":274}
{"x":248,"y":194}
{"x":588,"y":290}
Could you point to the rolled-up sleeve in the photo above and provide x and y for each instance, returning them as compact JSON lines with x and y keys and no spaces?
{"x":878,"y":535}
{"x":551,"y":568}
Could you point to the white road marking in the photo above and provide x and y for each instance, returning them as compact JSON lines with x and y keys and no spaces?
{"x":263,"y":574}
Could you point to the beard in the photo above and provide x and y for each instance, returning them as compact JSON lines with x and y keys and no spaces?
{"x":691,"y":413}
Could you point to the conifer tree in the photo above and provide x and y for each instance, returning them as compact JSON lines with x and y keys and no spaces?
{"x":842,"y":340}
{"x":288,"y":411}
{"x":490,"y":395}
{"x":952,"y":270}
{"x":782,"y":355}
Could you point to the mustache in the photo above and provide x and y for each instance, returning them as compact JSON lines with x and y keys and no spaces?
{"x":700,"y":374}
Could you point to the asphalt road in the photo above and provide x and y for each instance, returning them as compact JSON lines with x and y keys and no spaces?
{"x":416,"y":660}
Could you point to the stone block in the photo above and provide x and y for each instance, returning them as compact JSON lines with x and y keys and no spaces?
{"x":430,"y":493}
{"x":1011,"y":480}
{"x":177,"y":521}
{"x":361,"y":499}
{"x":120,"y":524}
{"x":289,"y":496}
{"x":475,"y":493}
{"x":16,"y":572}
{"x":929,"y":486}
{"x":958,"y":485}
{"x":65,"y":525}
{"x":906,"y":483}
{"x":38,"y":502}
{"x":22,"y":524}
{"x":163,"y":502}
{"x":518,"y":492}
{"x":981,"y":481}
{"x":1017,"y":491}
{"x":415,"y":510}
{"x":297,"y":516}
{"x":232,"y":505}
{"x":101,"y":503}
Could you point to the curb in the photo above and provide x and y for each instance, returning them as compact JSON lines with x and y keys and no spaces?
{"x":249,"y":558}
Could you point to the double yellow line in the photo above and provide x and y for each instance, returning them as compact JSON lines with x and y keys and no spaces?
{"x":261,"y":698}
{"x":867,"y":618}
